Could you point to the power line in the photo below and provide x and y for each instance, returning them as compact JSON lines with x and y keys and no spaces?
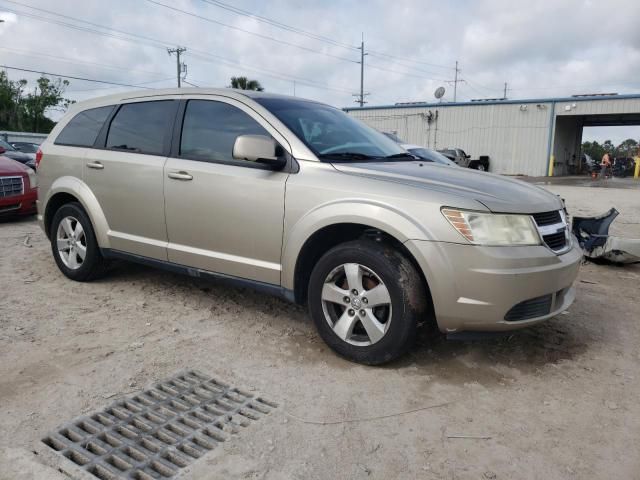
{"x":78,"y":90}
{"x":84,"y":79}
{"x":314,"y":36}
{"x":259,"y":35}
{"x":158,"y":44}
{"x":148,"y":40}
{"x":411,"y":60}
{"x":210,"y":57}
{"x":29,"y":53}
{"x":408,"y":74}
{"x":278,"y":24}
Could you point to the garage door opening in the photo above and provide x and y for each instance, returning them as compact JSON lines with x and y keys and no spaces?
{"x":580,"y":141}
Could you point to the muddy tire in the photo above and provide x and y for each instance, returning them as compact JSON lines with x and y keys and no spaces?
{"x":74,"y":245}
{"x":366,"y":300}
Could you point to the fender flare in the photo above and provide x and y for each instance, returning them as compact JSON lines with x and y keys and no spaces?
{"x":373,"y":214}
{"x":80,"y":190}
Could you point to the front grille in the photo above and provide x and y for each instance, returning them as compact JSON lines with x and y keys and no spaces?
{"x":536,"y":307}
{"x":10,"y":186}
{"x":547,"y":218}
{"x":556,"y":241}
{"x":552,"y":227}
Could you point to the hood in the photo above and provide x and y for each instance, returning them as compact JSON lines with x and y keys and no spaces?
{"x":18,"y":156}
{"x":497,"y":193}
{"x":11,"y":167}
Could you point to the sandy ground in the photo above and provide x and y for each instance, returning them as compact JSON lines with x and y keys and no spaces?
{"x":553,"y":402}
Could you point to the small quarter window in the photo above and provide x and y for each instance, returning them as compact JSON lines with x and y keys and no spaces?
{"x":83,"y":129}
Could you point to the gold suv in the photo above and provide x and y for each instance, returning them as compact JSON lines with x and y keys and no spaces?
{"x":296,"y":198}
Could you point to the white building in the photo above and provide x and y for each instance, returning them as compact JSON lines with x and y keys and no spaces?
{"x":521,"y":137}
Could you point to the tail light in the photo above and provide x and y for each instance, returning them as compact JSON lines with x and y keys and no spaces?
{"x":38,"y":157}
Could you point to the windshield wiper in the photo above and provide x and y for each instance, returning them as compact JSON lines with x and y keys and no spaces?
{"x":347,"y":155}
{"x":401,"y":155}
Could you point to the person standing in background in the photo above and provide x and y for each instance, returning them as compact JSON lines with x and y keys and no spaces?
{"x":604,"y":164}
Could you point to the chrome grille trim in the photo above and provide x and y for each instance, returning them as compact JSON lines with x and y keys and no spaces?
{"x":10,"y":186}
{"x":550,"y":233}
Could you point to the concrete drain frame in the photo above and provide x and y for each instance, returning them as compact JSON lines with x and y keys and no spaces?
{"x":155,"y":433}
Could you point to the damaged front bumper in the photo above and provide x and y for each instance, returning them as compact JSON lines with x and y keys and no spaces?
{"x":594,"y":239}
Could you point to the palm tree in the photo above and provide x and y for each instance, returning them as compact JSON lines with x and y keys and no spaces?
{"x":243,"y":83}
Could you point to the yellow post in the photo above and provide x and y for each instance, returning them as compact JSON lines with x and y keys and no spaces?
{"x":636,"y":174}
{"x":551,"y":162}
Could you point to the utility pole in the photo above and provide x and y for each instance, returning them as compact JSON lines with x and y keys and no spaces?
{"x":455,"y":83}
{"x":361,"y":95}
{"x":180,"y":67}
{"x":504,"y":95}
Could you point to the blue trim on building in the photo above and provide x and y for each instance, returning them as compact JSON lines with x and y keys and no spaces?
{"x":552,"y":129}
{"x":498,"y":102}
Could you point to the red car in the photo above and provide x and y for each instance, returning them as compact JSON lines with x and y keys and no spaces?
{"x":18,"y":192}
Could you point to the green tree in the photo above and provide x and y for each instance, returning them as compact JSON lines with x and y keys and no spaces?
{"x":593,"y":149}
{"x":25,"y":110}
{"x":10,"y":95}
{"x":609,"y":147}
{"x":243,"y":83}
{"x":628,"y":148}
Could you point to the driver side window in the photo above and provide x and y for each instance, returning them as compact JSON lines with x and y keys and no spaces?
{"x":210,"y":129}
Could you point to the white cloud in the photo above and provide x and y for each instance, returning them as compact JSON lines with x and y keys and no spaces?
{"x":541,"y":48}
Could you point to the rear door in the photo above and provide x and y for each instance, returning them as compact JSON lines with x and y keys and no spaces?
{"x":126,"y":175}
{"x":223,"y":215}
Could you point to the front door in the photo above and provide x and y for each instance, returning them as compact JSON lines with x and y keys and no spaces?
{"x":223,"y":215}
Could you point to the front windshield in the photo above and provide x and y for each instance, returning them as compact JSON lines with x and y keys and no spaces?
{"x":330,"y":133}
{"x":431,"y":156}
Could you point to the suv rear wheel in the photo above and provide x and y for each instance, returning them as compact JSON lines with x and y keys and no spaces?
{"x":366,"y":299}
{"x":74,"y":245}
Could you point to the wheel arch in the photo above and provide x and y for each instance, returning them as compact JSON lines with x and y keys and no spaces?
{"x":329,"y":236}
{"x":70,"y":189}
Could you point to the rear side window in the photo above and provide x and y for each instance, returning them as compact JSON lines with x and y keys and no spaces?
{"x":83,"y":129}
{"x":141,"y":127}
{"x":210,"y":129}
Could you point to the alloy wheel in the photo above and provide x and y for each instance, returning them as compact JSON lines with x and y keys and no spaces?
{"x":356,"y":304}
{"x":71,"y":242}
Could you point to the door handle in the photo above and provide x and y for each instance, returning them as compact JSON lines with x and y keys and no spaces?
{"x":95,"y":165}
{"x":180,"y":176}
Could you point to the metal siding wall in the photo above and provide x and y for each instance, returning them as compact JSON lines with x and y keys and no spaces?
{"x":515,"y":140}
{"x":599,"y":107}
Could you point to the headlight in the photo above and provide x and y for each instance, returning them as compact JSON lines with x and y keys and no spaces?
{"x":493,"y":229}
{"x":33,"y":179}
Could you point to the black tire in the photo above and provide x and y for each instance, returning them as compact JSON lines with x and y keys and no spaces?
{"x":93,"y":264}
{"x":405,"y":287}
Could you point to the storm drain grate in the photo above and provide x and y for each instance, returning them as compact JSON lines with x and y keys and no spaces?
{"x":155,"y":433}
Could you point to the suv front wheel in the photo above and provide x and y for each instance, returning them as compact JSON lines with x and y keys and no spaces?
{"x":366,"y":300}
{"x":74,"y":245}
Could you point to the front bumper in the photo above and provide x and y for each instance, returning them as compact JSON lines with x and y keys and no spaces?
{"x":473,"y":288}
{"x":24,"y":204}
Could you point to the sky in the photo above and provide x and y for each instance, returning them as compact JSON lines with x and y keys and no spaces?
{"x":539,"y":48}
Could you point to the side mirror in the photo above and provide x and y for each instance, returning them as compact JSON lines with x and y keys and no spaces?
{"x":257,"y":148}
{"x":2,"y":150}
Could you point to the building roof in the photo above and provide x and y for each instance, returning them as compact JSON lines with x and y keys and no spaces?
{"x":579,"y":98}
